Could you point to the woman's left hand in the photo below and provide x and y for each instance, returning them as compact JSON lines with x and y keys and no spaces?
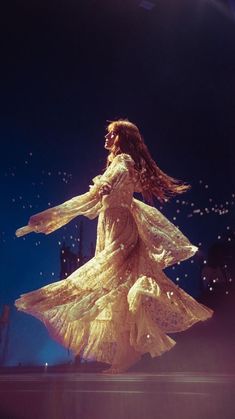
{"x":104,"y":190}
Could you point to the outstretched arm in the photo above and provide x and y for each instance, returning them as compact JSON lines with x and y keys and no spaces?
{"x":88,"y":204}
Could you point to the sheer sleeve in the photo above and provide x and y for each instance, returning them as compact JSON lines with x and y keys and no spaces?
{"x":52,"y":219}
{"x":88,"y":204}
{"x":166,"y":243}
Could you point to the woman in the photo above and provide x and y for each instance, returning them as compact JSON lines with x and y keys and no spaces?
{"x":120,"y":304}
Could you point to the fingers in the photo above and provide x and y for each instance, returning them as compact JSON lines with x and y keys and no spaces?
{"x":24,"y":230}
{"x":104,"y":190}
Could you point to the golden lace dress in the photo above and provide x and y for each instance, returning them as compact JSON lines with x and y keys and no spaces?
{"x":122,"y":291}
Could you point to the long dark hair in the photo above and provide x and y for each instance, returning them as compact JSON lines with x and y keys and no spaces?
{"x":154,"y":182}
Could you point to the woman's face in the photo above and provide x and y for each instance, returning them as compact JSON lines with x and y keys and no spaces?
{"x":109,"y":139}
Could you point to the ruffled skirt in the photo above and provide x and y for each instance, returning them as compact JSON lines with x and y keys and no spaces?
{"x":120,"y":303}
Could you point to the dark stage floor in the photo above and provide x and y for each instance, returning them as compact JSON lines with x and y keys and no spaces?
{"x":131,"y":395}
{"x":195,"y":380}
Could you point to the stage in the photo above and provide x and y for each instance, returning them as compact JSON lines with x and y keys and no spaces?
{"x":129,"y":395}
{"x":195,"y":380}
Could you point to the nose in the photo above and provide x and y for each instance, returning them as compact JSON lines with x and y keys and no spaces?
{"x":110,"y":135}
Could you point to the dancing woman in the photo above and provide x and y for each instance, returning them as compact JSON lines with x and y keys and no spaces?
{"x":120,"y":304}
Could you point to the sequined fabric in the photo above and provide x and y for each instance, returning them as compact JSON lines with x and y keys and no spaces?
{"x":120,"y":304}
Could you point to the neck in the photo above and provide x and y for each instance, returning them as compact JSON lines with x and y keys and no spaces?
{"x":110,"y":157}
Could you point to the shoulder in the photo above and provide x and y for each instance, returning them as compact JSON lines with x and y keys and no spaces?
{"x":124,"y":158}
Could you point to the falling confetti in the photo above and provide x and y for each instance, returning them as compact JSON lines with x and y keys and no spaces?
{"x":207,"y":211}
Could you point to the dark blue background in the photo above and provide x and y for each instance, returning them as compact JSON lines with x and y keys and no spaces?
{"x":66,"y":68}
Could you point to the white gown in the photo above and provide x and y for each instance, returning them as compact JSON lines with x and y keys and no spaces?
{"x":120,"y":301}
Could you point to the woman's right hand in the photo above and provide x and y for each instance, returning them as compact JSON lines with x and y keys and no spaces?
{"x":39,"y":223}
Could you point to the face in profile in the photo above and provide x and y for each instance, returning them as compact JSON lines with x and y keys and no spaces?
{"x":109,"y":140}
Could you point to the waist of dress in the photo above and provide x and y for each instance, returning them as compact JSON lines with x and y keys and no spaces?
{"x":115,"y":206}
{"x":116,"y":202}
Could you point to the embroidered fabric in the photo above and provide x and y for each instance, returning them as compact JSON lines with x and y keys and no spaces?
{"x":120,"y":304}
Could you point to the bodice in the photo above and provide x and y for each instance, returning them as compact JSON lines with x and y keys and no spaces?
{"x":123,"y":179}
